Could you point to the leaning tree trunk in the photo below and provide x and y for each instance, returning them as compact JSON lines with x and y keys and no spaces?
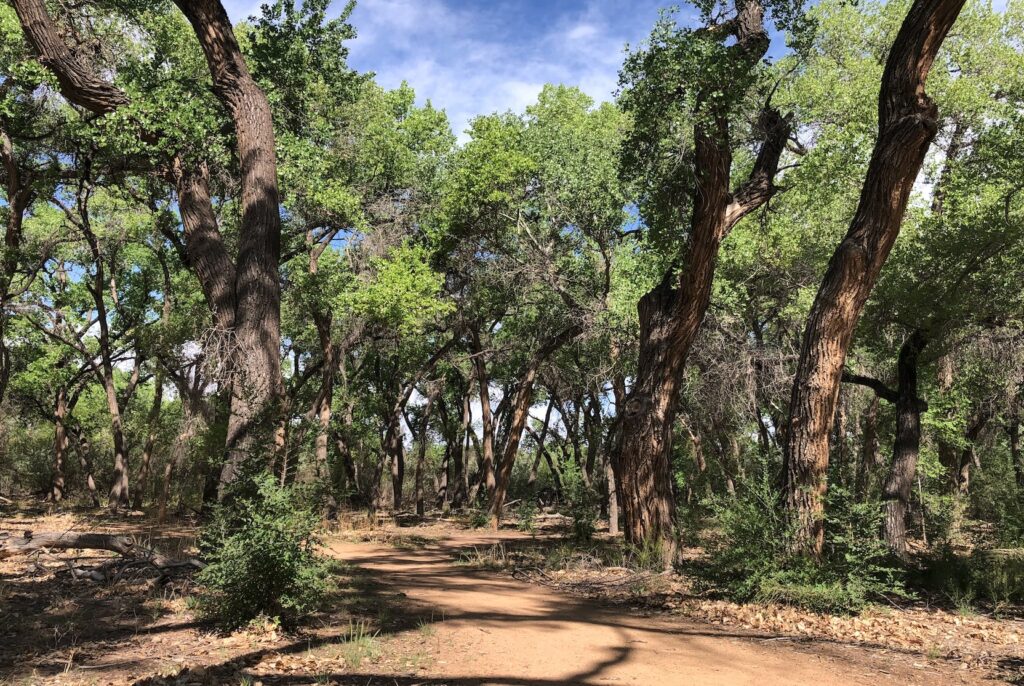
{"x":670,"y":318}
{"x":486,"y":416}
{"x":906,"y":446}
{"x":520,"y":412}
{"x":256,"y":364}
{"x":906,"y":127}
{"x":672,"y":313}
{"x":421,"y":455}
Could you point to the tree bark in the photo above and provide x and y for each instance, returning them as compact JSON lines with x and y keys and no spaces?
{"x":672,"y":313}
{"x":906,"y":446}
{"x":256,"y":386}
{"x":247,"y":296}
{"x":968,"y":456}
{"x":906,"y":127}
{"x":1013,"y":434}
{"x":147,"y":449}
{"x":421,"y":455}
{"x":487,"y":418}
{"x":81,"y":445}
{"x":60,"y":444}
{"x":520,"y":411}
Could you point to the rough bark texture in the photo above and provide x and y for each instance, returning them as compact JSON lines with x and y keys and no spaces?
{"x":60,"y":444}
{"x":205,"y":251}
{"x":20,"y":195}
{"x":906,"y":127}
{"x":671,"y":314}
{"x":906,"y":446}
{"x":256,"y":367}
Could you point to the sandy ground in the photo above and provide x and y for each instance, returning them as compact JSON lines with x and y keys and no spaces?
{"x":495,"y":630}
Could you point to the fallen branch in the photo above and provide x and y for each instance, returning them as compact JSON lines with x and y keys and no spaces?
{"x":126,"y":546}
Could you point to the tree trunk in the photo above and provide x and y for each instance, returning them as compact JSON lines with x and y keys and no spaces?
{"x":487,"y":419}
{"x":177,"y":456}
{"x":968,"y":456}
{"x":421,"y":456}
{"x":60,"y":444}
{"x":520,"y":411}
{"x":906,"y":446}
{"x":1013,"y":433}
{"x":868,"y":451}
{"x":906,"y":127}
{"x":460,"y":470}
{"x":81,"y":445}
{"x":147,"y":449}
{"x":671,"y":314}
{"x":256,"y":365}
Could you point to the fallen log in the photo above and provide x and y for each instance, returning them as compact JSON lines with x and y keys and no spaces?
{"x":126,"y":546}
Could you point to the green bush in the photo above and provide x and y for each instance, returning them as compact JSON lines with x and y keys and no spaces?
{"x":478,"y":519}
{"x":751,"y":559}
{"x":991,"y":576}
{"x":261,"y":558}
{"x":581,"y":501}
{"x":527,"y":517}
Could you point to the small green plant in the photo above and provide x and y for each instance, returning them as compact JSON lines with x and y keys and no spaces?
{"x":261,"y":555}
{"x":647,"y":556}
{"x":752,"y":559}
{"x":360,"y":644}
{"x":582,"y":502}
{"x":527,"y":517}
{"x":478,"y":519}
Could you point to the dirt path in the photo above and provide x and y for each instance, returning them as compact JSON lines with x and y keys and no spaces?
{"x":494,"y":630}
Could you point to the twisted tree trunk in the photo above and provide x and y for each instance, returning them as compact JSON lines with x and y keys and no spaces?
{"x":671,"y":314}
{"x":906,"y":127}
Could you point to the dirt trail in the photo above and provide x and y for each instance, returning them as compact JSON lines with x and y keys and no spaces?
{"x":495,"y":630}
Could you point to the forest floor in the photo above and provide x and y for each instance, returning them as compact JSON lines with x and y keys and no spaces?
{"x":424,"y":605}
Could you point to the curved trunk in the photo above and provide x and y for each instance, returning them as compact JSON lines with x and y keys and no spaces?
{"x":906,"y":127}
{"x":256,"y":363}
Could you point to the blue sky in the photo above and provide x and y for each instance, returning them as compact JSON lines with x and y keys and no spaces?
{"x":474,"y":57}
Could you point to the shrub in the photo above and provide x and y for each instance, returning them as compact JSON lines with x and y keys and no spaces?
{"x":527,"y":517}
{"x":478,"y":519}
{"x":994,"y":576}
{"x":581,"y":501}
{"x":751,"y":557}
{"x":261,"y":555}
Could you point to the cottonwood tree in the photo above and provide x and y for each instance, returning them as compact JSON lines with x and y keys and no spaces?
{"x":906,"y":127}
{"x":688,"y":91}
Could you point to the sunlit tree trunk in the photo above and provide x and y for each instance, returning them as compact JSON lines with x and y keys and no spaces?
{"x":906,"y":127}
{"x":256,"y":365}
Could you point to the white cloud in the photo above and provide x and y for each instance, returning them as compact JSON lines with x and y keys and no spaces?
{"x":479,"y":58}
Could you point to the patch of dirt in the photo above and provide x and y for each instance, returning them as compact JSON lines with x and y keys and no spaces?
{"x":496,"y":629}
{"x":413,"y":608}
